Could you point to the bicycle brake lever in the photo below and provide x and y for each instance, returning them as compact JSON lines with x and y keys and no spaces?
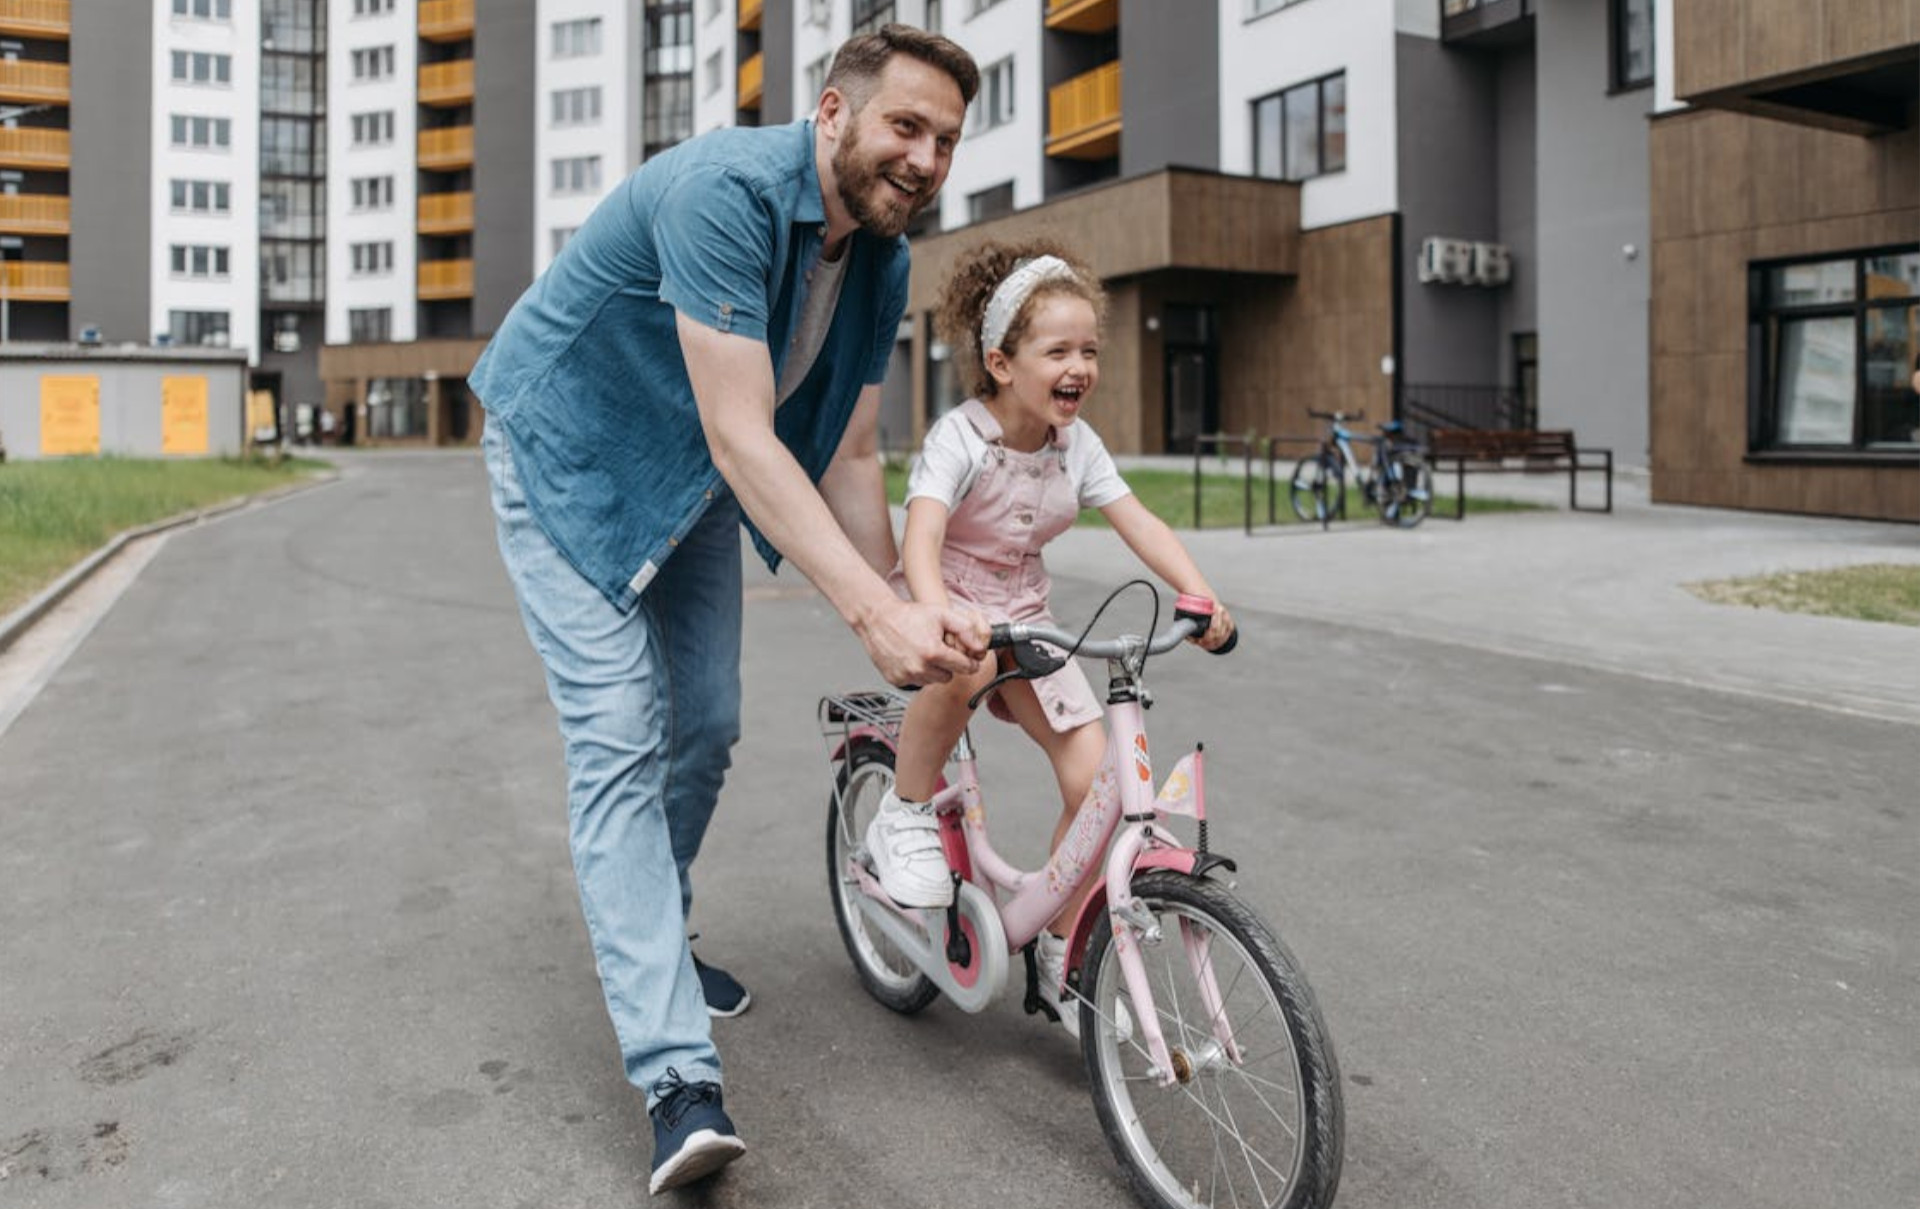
{"x":1029,"y":663}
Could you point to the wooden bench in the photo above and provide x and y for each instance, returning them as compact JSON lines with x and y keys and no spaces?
{"x":1516,"y":451}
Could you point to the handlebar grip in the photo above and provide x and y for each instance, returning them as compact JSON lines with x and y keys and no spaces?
{"x":1233,"y":640}
{"x":999,"y":636}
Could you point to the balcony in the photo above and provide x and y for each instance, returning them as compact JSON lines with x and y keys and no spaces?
{"x":750,"y":14}
{"x":446,"y":20}
{"x":36,"y":281}
{"x":448,"y":149}
{"x":752,"y":81}
{"x":446,"y":213}
{"x":447,"y":85}
{"x":51,"y":19}
{"x":1083,"y":16}
{"x":32,"y":148}
{"x":33,"y":83}
{"x":1486,"y":23}
{"x":1084,"y":115}
{"x":444,"y":279}
{"x":36,"y":214}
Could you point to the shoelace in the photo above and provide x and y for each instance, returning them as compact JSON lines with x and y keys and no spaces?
{"x":677,"y":1096}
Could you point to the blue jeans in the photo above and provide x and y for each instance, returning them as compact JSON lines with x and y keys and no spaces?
{"x":649,"y":705}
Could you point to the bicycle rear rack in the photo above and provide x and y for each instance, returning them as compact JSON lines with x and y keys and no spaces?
{"x":842,"y":714}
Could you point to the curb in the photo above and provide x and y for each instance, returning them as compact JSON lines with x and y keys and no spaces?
{"x":15,"y":624}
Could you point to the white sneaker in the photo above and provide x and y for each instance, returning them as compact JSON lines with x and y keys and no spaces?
{"x":1051,"y":953}
{"x":904,"y":841}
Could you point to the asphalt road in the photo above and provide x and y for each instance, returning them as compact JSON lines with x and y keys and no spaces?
{"x":286,"y":916}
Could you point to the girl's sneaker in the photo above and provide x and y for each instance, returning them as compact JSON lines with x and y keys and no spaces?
{"x":903,"y":841}
{"x":1051,"y":952}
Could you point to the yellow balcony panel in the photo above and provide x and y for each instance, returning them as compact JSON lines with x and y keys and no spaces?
{"x":446,"y":213}
{"x":446,"y":20}
{"x":52,"y":19}
{"x":36,"y":214}
{"x":446,"y":150}
{"x":1084,"y":115}
{"x":752,"y":81}
{"x":447,"y":84}
{"x":1083,"y":16}
{"x":443,"y":279}
{"x":750,"y":13}
{"x":34,"y":83}
{"x":35,"y":281}
{"x":36,"y":148}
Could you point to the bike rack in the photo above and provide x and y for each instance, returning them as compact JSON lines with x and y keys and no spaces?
{"x":1247,"y":443}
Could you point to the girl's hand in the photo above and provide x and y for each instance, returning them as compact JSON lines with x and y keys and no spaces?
{"x":1218,"y":631}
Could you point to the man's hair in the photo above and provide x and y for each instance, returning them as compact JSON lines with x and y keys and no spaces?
{"x":858,"y":63}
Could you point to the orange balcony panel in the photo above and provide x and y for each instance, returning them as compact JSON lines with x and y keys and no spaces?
{"x":446,"y":150}
{"x":443,"y":279}
{"x":36,"y":214}
{"x":446,"y":213}
{"x":446,"y":20}
{"x":447,"y":84}
{"x":1084,"y":115}
{"x":35,"y":148}
{"x":1083,"y":16}
{"x":35,"y":281}
{"x":51,"y":19}
{"x":752,"y":81}
{"x":750,"y":13}
{"x":35,"y":83}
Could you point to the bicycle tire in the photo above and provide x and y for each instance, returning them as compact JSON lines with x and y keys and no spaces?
{"x":1315,"y":492}
{"x":1144,"y":1121}
{"x":1413,"y":490}
{"x":865,"y":775}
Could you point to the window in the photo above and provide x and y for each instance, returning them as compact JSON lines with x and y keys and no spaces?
{"x":819,"y":13}
{"x":574,"y":39}
{"x":817,"y":76}
{"x":1301,"y":133}
{"x":287,"y":147}
{"x":204,"y":10}
{"x":370,"y":325}
{"x":669,"y":34}
{"x":198,"y":260}
{"x":993,"y":105}
{"x":201,"y":197}
{"x":373,"y":193}
{"x":1836,"y":341}
{"x":714,"y":76}
{"x":198,"y":327}
{"x":291,"y":84}
{"x":371,"y":258}
{"x":292,"y":209}
{"x":576,"y":107}
{"x":870,"y":15}
{"x":577,"y":174}
{"x":562,"y":236}
{"x":193,"y":67}
{"x":372,"y":8}
{"x":291,"y":272}
{"x":373,"y":129}
{"x":214,"y":133}
{"x":990,"y":203}
{"x":373,"y":63}
{"x":666,"y":113}
{"x":1630,"y":33}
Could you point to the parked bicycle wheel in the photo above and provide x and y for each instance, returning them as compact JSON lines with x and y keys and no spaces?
{"x":865,"y":776}
{"x":1265,"y":1129}
{"x":1412,"y":490}
{"x":1318,"y":490}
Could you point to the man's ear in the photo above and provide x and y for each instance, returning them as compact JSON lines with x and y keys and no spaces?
{"x":832,"y":114}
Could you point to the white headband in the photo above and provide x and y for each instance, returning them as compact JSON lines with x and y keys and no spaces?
{"x":1013,"y":291}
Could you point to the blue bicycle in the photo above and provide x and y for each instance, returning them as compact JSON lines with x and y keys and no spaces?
{"x":1397,"y":482}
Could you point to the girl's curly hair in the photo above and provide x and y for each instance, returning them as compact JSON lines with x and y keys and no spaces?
{"x":970,"y":283}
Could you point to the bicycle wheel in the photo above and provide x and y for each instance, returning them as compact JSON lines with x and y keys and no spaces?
{"x":1316,"y":492}
{"x":1413,"y":490}
{"x":1264,"y":1130}
{"x":865,"y":776}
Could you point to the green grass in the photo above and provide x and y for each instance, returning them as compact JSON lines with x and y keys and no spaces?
{"x":1168,"y":494}
{"x":54,"y":513}
{"x":1887,"y":592}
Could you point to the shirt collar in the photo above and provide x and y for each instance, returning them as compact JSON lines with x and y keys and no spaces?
{"x":991,"y":432}
{"x":812,"y":207}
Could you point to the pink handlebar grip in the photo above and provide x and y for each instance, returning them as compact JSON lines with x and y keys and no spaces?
{"x":1198,"y":605}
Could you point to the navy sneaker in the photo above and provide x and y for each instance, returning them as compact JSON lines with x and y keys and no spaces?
{"x":692,"y":1135}
{"x":723,"y":992}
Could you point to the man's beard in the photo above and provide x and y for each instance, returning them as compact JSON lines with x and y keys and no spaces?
{"x":860,"y":180}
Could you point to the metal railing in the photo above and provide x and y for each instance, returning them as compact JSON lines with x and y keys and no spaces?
{"x":448,"y":83}
{"x":446,"y":20}
{"x":1083,"y":104}
{"x":447,"y":147}
{"x":445,"y":213}
{"x":1252,"y":447}
{"x":1423,"y":408}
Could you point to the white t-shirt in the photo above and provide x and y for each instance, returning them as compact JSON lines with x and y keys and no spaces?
{"x":954,"y":453}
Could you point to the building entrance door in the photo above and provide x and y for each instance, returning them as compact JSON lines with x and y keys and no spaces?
{"x":1192,"y":375}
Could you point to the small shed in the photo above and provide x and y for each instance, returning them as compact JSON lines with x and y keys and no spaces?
{"x":82,"y":400}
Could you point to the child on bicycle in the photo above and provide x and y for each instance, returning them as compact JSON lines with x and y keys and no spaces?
{"x":997,"y":479}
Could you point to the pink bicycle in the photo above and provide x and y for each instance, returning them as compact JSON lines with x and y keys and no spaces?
{"x":1211,"y":1069}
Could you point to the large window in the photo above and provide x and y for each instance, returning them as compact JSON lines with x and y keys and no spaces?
{"x":993,"y":105}
{"x":1836,"y":341}
{"x":373,"y":129}
{"x":373,"y":63}
{"x":204,"y":10}
{"x":576,"y":106}
{"x":577,"y":174}
{"x":990,"y":203}
{"x":372,"y":193}
{"x":576,"y":39}
{"x":199,"y":260}
{"x":370,"y":325}
{"x":870,"y":15}
{"x":201,"y":197}
{"x":194,"y":67}
{"x":212,"y":133}
{"x":1631,"y":38}
{"x":1302,"y":132}
{"x":198,"y":327}
{"x":371,"y":259}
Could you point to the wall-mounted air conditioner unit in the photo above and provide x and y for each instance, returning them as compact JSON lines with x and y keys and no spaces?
{"x":1492,"y":264}
{"x":1446,"y":261}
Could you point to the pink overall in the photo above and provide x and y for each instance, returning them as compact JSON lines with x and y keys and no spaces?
{"x":991,"y":558}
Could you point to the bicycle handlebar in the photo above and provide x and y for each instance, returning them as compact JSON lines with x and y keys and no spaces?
{"x":1185,"y":625}
{"x":1338,"y":417}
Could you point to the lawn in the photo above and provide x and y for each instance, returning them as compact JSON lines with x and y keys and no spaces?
{"x":1872,"y":592}
{"x":54,"y":513}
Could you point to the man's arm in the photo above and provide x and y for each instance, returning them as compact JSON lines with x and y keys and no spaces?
{"x":855,"y":486}
{"x":733,"y":387}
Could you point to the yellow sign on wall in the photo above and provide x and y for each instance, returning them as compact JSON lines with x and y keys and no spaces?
{"x":183,"y":414}
{"x":69,"y":414}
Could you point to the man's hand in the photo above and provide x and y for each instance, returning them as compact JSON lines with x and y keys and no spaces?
{"x":913,"y":643}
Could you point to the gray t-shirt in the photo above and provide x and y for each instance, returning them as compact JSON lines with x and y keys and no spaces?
{"x":810,"y":333}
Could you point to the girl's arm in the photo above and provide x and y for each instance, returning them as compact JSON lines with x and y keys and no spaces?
{"x":1155,"y":544}
{"x":920,"y":550}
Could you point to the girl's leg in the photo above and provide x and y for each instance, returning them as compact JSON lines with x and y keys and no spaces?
{"x":1075,"y":755}
{"x":903,"y":839}
{"x":935,"y":717}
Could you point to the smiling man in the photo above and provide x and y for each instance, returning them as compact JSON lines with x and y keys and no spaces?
{"x":710,"y":343}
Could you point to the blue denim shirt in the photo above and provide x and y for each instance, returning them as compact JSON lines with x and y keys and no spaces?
{"x":585,"y":375}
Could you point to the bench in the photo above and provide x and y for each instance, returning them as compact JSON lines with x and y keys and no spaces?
{"x":1498,"y":450}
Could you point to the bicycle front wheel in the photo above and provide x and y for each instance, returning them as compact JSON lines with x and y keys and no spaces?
{"x":1254,"y":1115}
{"x":1316,"y":491}
{"x":889,"y":976}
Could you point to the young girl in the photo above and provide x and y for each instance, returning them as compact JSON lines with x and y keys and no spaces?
{"x":998,"y":478}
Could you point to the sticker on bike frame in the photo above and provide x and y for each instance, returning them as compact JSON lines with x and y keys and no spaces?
{"x":1140,"y":763}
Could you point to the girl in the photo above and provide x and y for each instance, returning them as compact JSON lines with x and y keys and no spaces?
{"x":997,"y":479}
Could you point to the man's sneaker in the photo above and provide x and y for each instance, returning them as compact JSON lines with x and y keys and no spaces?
{"x":692,"y":1135}
{"x":904,"y":841}
{"x":1051,"y":952}
{"x":722,"y":991}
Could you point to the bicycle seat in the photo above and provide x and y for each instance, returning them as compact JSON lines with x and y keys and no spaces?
{"x":1392,"y":426}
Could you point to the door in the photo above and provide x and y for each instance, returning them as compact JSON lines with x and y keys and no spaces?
{"x":1192,"y":389}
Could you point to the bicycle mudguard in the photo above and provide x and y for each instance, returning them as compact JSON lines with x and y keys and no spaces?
{"x":855,"y":737}
{"x":1189,"y":861}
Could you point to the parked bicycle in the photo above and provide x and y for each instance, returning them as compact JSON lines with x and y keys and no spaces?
{"x":1212,"y":1072}
{"x":1397,"y":480}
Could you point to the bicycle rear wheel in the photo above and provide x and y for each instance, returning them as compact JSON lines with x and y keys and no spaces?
{"x":1257,"y":1123}
{"x":865,"y":776}
{"x":1316,"y":492}
{"x":1413,"y":490}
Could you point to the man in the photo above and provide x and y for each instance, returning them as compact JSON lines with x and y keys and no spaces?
{"x":711,"y":342}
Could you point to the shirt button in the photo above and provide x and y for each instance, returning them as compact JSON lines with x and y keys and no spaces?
{"x":1026,"y":518}
{"x":823,"y":230}
{"x":673,"y":541}
{"x":726,"y":308}
{"x":999,"y":574}
{"x":709,"y":495}
{"x":1033,"y":472}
